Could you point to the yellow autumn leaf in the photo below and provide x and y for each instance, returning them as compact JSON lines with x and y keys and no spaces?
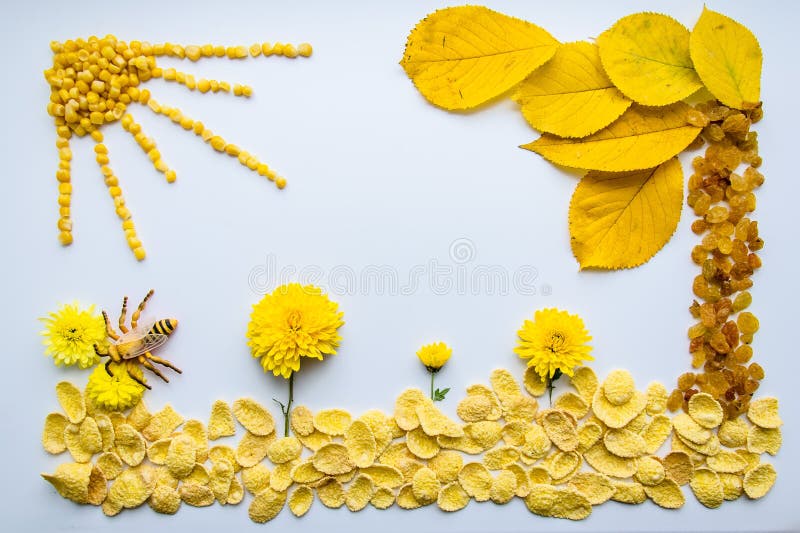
{"x":727,"y":57}
{"x":646,"y":55}
{"x":571,"y":96}
{"x":620,"y":220}
{"x":461,"y":57}
{"x":643,"y":137}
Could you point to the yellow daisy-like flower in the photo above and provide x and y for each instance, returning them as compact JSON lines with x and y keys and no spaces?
{"x":116,"y":393}
{"x":71,"y":333}
{"x":294,"y":321}
{"x":434,"y":356}
{"x":554,"y":341}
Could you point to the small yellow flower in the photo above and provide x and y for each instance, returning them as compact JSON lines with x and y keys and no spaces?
{"x":71,"y":333}
{"x":116,"y":393}
{"x":294,"y":321}
{"x":554,"y":341}
{"x":434,"y":356}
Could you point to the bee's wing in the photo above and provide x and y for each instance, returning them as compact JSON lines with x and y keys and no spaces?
{"x":146,"y":343}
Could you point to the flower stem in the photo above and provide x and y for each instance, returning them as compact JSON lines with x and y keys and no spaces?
{"x":288,"y":408}
{"x":550,"y":388}
{"x":432,"y":375}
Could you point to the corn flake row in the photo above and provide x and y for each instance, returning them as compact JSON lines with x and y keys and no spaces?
{"x":722,"y":197}
{"x":92,"y":83}
{"x":595,"y":444}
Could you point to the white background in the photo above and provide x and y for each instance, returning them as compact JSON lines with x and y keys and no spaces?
{"x":376,"y":177}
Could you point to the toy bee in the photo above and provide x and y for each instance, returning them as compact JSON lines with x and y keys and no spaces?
{"x":133,"y":346}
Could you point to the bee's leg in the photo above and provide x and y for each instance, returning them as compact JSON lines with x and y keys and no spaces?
{"x":138,"y":312}
{"x":99,"y":352}
{"x":163,"y":362}
{"x":109,"y":329}
{"x":124,"y":312}
{"x":108,"y":370}
{"x":140,"y":382}
{"x":149,"y":366}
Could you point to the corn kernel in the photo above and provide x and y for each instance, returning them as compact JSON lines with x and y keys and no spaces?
{"x":198,"y":127}
{"x":154,"y":155}
{"x":266,"y":49}
{"x":170,"y":175}
{"x":252,"y":163}
{"x":277,"y":49}
{"x":65,"y":188}
{"x":280,"y":182}
{"x":218,"y":143}
{"x":232,"y":150}
{"x":65,"y":224}
{"x":160,"y":165}
{"x":63,"y":200}
{"x":290,"y":51}
{"x":207,"y":50}
{"x":65,"y":237}
{"x":304,"y":49}
{"x":193,"y":52}
{"x":186,"y":123}
{"x":169,"y":74}
{"x":255,"y":50}
{"x":219,"y":51}
{"x":203,"y":85}
{"x":139,"y":253}
{"x":247,"y":91}
{"x":102,"y":159}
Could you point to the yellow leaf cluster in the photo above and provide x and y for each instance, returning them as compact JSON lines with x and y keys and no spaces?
{"x":614,"y":108}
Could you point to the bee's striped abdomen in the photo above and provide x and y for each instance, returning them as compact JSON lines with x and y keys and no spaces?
{"x":164,"y":326}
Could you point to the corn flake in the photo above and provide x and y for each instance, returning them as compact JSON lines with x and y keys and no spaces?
{"x":588,"y":434}
{"x":533,"y":382}
{"x":678,"y":467}
{"x":452,"y":498}
{"x":139,"y":416}
{"x":656,"y":398}
{"x":236,"y":492}
{"x":220,"y":479}
{"x":199,"y":474}
{"x":760,"y":440}
{"x":333,"y":459}
{"x":496,"y":410}
{"x":381,"y":427}
{"x":256,"y":478}
{"x":406,"y":499}
{"x":165,"y":500}
{"x":666,"y":494}
{"x":678,"y":446}
{"x":360,"y":444}
{"x":53,"y":433}
{"x":500,"y":458}
{"x":474,"y":408}
{"x":181,"y":456}
{"x":649,"y":471}
{"x":196,"y":495}
{"x":157,"y":451}
{"x":513,"y":433}
{"x":630,"y":493}
{"x":764,"y":413}
{"x":162,"y":424}
{"x":266,"y":505}
{"x":505,"y":387}
{"x":434,"y":422}
{"x":585,"y":382}
{"x":733,"y":433}
{"x":539,"y":475}
{"x":129,"y":489}
{"x":617,"y":416}
{"x":106,"y":429}
{"x":222,"y":452}
{"x":281,"y":477}
{"x":220,"y":423}
{"x":405,"y":409}
{"x":562,"y":465}
{"x":110,"y":464}
{"x":705,"y":410}
{"x":300,"y":500}
{"x":463,"y":444}
{"x":712,"y":447}
{"x":485,"y":434}
{"x":130,"y":445}
{"x":111,"y":508}
{"x":422,"y":445}
{"x":731,"y":486}
{"x":546,"y":500}
{"x":727,"y":462}
{"x":689,"y":430}
{"x":305,"y":473}
{"x":624,"y":443}
{"x":196,"y":430}
{"x":382,"y":499}
{"x":504,"y":487}
{"x":607,"y":463}
{"x":619,"y":387}
{"x":597,"y":488}
{"x":331,"y":494}
{"x":253,"y":417}
{"x":758,"y":481}
{"x":522,"y":484}
{"x":521,"y":409}
{"x":425,"y":486}
{"x":560,"y":429}
{"x":537,"y":443}
{"x":284,"y":449}
{"x":707,"y":488}
{"x":655,"y":434}
{"x":71,"y":480}
{"x":315,"y":440}
{"x":253,"y":448}
{"x":476,"y":481}
{"x":573,"y":404}
{"x":72,"y":439}
{"x":71,"y":400}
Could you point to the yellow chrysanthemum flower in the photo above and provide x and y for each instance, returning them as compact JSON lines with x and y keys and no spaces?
{"x":434,"y":356}
{"x":116,"y":393}
{"x":554,"y":341}
{"x":71,"y":333}
{"x":294,"y":321}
